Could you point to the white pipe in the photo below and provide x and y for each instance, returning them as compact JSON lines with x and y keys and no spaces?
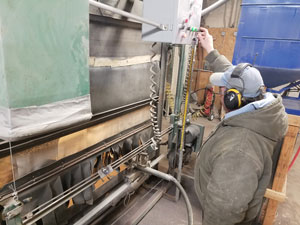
{"x":126,"y":14}
{"x":213,"y":7}
{"x":157,"y":160}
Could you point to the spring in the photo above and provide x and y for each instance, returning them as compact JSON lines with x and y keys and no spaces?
{"x":154,"y":99}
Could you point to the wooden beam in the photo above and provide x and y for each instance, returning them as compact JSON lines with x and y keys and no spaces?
{"x":6,"y":175}
{"x":282,"y":167}
{"x":275,"y":195}
{"x":68,"y":145}
{"x":294,"y":120}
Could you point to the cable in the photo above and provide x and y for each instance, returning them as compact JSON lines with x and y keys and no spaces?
{"x":14,"y":188}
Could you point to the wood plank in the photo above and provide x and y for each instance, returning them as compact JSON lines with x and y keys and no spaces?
{"x":5,"y":171}
{"x":224,"y":40}
{"x":36,"y":157}
{"x":275,"y":195}
{"x":294,"y":120}
{"x":281,"y":171}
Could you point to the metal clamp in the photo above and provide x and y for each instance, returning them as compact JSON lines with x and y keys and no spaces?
{"x":103,"y":172}
{"x":143,"y":159}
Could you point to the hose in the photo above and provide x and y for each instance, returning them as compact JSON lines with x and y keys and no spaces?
{"x":171,"y":178}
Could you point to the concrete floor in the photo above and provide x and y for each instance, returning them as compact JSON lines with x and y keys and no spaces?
{"x":167,"y":212}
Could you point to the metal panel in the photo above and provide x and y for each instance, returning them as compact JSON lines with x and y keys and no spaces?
{"x":117,"y":38}
{"x":269,"y":38}
{"x":179,"y":16}
{"x":118,"y":86}
{"x":115,"y":87}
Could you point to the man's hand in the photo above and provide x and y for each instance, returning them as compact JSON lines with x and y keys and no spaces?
{"x":206,"y":40}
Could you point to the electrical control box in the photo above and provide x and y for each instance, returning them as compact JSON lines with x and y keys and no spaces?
{"x":180,"y":17}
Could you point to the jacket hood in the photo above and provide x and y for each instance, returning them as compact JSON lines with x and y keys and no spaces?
{"x":270,"y":121}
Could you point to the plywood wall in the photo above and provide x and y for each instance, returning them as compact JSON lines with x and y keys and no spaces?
{"x":224,"y":42}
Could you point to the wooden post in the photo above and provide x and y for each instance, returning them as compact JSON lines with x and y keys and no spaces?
{"x":282,"y":167}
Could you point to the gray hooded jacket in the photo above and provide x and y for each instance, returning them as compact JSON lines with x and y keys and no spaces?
{"x":234,"y":166}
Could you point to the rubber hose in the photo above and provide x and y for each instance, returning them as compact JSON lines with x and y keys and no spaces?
{"x":171,"y":178}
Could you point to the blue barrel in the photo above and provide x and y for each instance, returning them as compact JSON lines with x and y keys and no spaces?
{"x":269,"y":38}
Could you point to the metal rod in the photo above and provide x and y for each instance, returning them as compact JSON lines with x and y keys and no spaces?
{"x":177,"y":106}
{"x":55,"y":202}
{"x":180,"y":162}
{"x":189,"y":80}
{"x":213,"y":7}
{"x":148,"y":206}
{"x":179,"y":86}
{"x":89,"y":180}
{"x":117,"y":194}
{"x":157,"y":160}
{"x":202,"y":70}
{"x":63,"y":167}
{"x":114,"y":197}
{"x":171,"y":178}
{"x":126,"y":14}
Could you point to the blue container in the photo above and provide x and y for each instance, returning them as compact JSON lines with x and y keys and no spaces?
{"x":269,"y":38}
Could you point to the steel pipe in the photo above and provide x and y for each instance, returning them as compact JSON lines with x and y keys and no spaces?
{"x":79,"y":159}
{"x":126,"y":14}
{"x":115,"y":196}
{"x":213,"y":7}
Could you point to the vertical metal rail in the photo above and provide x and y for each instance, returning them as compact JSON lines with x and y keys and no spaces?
{"x":177,"y":108}
{"x":189,"y":79}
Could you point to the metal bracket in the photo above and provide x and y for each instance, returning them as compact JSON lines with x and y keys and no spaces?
{"x":103,"y":172}
{"x":154,"y":144}
{"x":143,"y":159}
{"x":12,"y":211}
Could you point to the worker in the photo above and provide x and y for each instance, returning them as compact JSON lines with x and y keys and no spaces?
{"x":234,"y":166}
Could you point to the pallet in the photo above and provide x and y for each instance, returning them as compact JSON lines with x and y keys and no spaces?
{"x":278,"y":192}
